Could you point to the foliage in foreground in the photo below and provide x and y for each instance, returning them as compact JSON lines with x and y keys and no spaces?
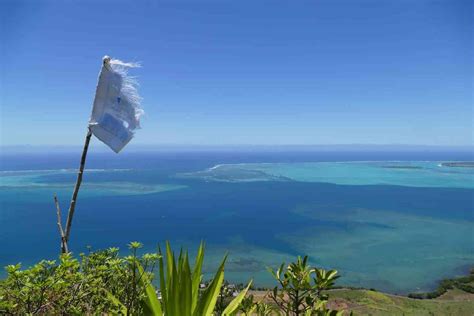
{"x":301,"y":288}
{"x":180,"y":287}
{"x":93,"y":283}
{"x":102,"y":282}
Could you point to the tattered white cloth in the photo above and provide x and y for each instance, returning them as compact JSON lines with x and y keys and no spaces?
{"x":116,"y":113}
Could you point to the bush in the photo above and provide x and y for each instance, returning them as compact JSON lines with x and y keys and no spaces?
{"x":301,"y":288}
{"x":74,"y":286}
{"x":102,"y":282}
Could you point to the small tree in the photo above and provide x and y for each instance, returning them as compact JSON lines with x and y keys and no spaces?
{"x":301,"y":288}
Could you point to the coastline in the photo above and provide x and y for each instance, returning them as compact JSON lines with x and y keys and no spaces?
{"x":451,"y":300}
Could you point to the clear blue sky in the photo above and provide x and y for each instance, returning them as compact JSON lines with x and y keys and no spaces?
{"x":245,"y":72}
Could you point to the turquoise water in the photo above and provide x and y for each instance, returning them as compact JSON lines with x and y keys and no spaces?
{"x":378,"y":242}
{"x":397,"y":226}
{"x":403,"y":173}
{"x":34,"y":180}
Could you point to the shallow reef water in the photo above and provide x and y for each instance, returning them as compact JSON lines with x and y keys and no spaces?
{"x":397,"y":225}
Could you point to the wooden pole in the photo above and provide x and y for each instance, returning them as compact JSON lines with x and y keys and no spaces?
{"x":64,"y":248}
{"x":72,"y":206}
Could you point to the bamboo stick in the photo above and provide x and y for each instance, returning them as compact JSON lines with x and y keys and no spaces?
{"x":72,"y":206}
{"x":64,"y":247}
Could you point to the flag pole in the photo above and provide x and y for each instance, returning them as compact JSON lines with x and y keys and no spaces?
{"x":72,"y":206}
{"x":113,"y":124}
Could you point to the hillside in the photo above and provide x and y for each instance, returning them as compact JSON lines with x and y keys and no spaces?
{"x":366,"y":302}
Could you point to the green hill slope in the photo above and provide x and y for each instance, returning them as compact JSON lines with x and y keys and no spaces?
{"x":365,"y":302}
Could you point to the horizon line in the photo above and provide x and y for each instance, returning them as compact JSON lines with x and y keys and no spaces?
{"x":100,"y":147}
{"x":245,"y":144}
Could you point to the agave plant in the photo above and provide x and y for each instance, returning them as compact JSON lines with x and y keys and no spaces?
{"x":180,"y":287}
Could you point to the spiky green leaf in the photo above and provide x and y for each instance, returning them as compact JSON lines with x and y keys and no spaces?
{"x":150,"y":303}
{"x":206,"y":304}
{"x":234,"y":304}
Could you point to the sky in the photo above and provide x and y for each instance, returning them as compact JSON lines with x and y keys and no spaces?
{"x":244,"y":72}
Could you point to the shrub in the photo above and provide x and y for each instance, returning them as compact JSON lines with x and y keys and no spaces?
{"x":301,"y":290}
{"x":74,"y":286}
{"x":102,"y":282}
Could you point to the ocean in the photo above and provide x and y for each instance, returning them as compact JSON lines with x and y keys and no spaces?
{"x":393,"y":220}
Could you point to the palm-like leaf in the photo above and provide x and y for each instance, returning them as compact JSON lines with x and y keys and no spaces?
{"x":197,"y":276}
{"x":150,"y":303}
{"x":206,"y":304}
{"x":116,"y":301}
{"x":234,"y":304}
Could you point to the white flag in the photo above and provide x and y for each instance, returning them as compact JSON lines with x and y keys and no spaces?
{"x":116,"y":112}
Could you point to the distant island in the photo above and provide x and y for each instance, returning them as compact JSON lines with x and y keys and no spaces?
{"x":459,"y":164}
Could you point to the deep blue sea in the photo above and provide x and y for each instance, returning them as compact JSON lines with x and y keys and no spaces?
{"x":393,"y":220}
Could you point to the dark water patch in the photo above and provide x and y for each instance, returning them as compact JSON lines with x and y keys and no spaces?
{"x":459,"y":164}
{"x":244,"y":265}
{"x":402,"y":167}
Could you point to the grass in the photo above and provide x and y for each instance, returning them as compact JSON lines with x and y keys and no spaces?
{"x":365,"y":302}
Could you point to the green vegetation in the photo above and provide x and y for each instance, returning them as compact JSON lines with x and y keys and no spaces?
{"x":102,"y":282}
{"x":95,"y":282}
{"x":365,"y":302}
{"x":226,"y":295}
{"x":301,"y":287}
{"x":180,"y":287}
{"x":465,"y":283}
